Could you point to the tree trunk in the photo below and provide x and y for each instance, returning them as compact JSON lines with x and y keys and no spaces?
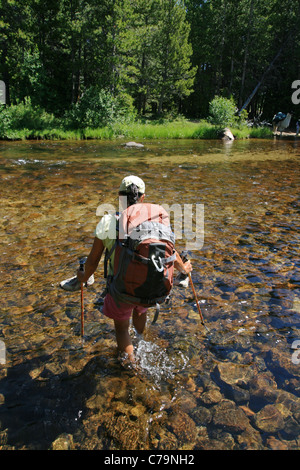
{"x":222,"y":43}
{"x":231,"y":73}
{"x":160,"y":103}
{"x":270,"y":66}
{"x":141,"y":105}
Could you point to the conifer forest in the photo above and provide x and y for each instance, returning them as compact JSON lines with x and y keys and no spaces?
{"x":154,"y":56}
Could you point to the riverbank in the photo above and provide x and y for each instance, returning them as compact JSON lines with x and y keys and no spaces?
{"x":181,"y":129}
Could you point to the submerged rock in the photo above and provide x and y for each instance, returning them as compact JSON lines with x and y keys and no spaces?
{"x":184,"y":428}
{"x":235,"y":374}
{"x":227,"y":415}
{"x":250,"y":439}
{"x":275,"y":444}
{"x":202,"y":415}
{"x":121,"y":429}
{"x":269,"y":419}
{"x":63,"y":442}
{"x":263,"y":386}
{"x":211,"y":396}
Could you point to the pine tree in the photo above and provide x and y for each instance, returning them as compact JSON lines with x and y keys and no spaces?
{"x":153,"y":52}
{"x":172,"y":69}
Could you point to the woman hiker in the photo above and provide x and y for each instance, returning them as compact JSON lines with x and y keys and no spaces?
{"x":133,"y":188}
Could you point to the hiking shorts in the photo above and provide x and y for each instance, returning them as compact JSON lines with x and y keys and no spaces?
{"x":122,"y":311}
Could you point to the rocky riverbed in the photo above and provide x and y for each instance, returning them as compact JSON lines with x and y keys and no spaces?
{"x":234,"y":387}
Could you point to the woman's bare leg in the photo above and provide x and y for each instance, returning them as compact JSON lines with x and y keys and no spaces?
{"x":139,"y":321}
{"x":123,"y":337}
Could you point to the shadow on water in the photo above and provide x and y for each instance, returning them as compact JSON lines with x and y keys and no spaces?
{"x":46,"y":397}
{"x":236,"y":387}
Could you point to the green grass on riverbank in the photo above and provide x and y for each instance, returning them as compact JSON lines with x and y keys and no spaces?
{"x":138,"y":131}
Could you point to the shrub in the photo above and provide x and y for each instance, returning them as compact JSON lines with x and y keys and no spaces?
{"x":99,"y":108}
{"x":23,"y":116}
{"x":5,"y":122}
{"x":222,"y":111}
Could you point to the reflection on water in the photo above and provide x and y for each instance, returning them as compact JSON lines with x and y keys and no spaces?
{"x":236,"y":387}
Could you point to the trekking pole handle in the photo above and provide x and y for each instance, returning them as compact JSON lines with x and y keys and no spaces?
{"x":82,"y":263}
{"x":184,"y":256}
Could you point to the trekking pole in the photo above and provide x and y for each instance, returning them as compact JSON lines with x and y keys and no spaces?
{"x":82,"y":312}
{"x":184,"y":259}
{"x":81,"y":268}
{"x":197,"y":302}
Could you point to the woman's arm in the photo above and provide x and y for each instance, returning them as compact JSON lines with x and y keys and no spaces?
{"x":92,"y":261}
{"x":184,"y":268}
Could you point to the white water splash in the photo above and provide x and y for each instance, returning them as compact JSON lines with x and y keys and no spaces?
{"x":156,"y":363}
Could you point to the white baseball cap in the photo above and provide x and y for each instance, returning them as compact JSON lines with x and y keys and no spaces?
{"x":128,"y":180}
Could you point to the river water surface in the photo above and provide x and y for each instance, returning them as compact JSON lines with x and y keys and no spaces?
{"x":234,"y":387}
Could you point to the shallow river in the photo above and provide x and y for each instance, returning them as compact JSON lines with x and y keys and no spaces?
{"x":234,"y":387}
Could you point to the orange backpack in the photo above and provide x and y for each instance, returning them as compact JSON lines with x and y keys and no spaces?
{"x":144,"y":256}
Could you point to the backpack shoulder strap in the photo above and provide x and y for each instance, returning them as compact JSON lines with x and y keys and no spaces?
{"x":108,"y":252}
